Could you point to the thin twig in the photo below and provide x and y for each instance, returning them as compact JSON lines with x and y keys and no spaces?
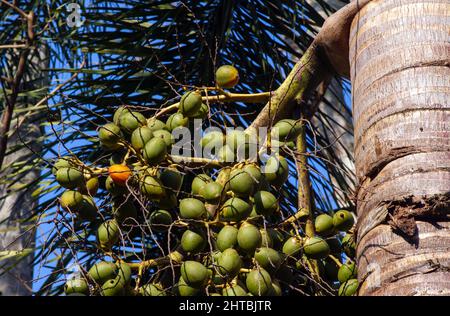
{"x":18,"y":10}
{"x":11,"y":100}
{"x":13,"y":46}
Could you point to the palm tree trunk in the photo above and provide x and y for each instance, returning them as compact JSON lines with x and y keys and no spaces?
{"x":400,"y":57}
{"x":16,"y":233}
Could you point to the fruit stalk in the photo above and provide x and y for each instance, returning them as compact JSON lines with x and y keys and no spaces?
{"x":226,"y":97}
{"x":327,"y":54}
{"x":336,"y":260}
{"x":199,"y":161}
{"x":304,"y":193}
{"x":174,"y":256}
{"x":304,"y":186}
{"x":303,"y":79}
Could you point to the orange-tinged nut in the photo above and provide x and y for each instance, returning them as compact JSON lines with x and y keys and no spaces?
{"x":119,"y":174}
{"x":227,"y":76}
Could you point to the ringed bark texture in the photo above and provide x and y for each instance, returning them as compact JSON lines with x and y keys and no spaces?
{"x":400,"y":59}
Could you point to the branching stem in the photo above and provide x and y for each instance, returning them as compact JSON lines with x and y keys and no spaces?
{"x":227,"y":97}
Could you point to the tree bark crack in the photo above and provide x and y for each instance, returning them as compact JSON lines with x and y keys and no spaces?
{"x":434,"y":63}
{"x":393,"y":154}
{"x":425,"y":268}
{"x":403,"y":213}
